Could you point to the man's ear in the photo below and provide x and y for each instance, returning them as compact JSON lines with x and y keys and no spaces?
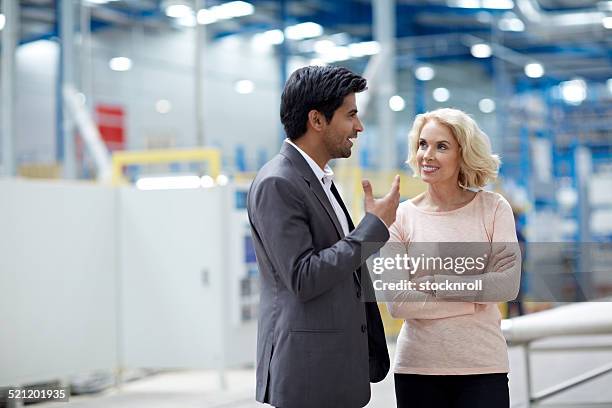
{"x":316,"y":120}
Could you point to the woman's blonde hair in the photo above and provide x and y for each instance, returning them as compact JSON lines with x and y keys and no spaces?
{"x":478,"y":166}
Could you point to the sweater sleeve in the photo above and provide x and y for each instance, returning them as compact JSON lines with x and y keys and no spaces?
{"x":498,"y":284}
{"x":413,"y":304}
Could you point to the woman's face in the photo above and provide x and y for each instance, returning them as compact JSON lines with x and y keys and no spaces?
{"x":438,"y":155}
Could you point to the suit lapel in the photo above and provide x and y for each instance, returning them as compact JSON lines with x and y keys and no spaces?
{"x":315,"y":185}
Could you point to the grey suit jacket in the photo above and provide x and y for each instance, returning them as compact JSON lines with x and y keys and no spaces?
{"x":312,"y":340}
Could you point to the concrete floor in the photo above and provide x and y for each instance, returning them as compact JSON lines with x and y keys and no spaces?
{"x":202,"y":389}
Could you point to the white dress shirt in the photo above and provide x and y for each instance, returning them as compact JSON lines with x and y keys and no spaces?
{"x":325,"y":176}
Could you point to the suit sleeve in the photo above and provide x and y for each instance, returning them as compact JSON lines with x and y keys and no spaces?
{"x":280,"y":219}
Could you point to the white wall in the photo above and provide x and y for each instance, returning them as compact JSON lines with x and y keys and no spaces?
{"x":58,"y":280}
{"x":162,"y":69}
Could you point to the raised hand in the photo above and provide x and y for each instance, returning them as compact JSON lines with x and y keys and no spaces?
{"x":384,"y":208}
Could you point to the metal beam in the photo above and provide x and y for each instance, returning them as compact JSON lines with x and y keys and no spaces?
{"x":384,"y":33}
{"x":200,"y":44}
{"x":67,"y":79}
{"x":10,"y":8}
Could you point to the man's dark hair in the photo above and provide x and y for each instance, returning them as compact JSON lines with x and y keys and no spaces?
{"x":319,"y":88}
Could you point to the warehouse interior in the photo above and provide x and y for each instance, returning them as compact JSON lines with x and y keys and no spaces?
{"x":130,"y":131}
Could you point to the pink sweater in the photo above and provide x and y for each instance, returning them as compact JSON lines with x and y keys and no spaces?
{"x":441,"y":337}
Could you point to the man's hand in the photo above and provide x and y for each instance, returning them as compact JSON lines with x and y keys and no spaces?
{"x":386,"y":207}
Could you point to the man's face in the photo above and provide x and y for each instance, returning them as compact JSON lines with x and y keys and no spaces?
{"x":344,"y":125}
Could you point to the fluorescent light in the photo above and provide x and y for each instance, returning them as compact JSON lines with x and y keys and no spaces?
{"x":2,"y":21}
{"x":510,"y":22}
{"x":268,"y":38}
{"x":207,"y":182}
{"x":168,"y":183}
{"x":120,"y":64}
{"x":489,"y":4}
{"x":534,"y":70}
{"x":486,"y":105}
{"x":324,"y":46}
{"x":574,"y":91}
{"x":607,"y":22}
{"x":498,"y":4}
{"x":244,"y":86}
{"x":609,"y":83}
{"x":225,"y":11}
{"x":303,"y":30}
{"x":364,"y":48}
{"x":397,"y":103}
{"x":206,"y":16}
{"x":464,"y":3}
{"x":178,"y":10}
{"x":441,"y":94}
{"x":222,"y":179}
{"x":187,"y":21}
{"x":338,"y":53}
{"x":481,"y":50}
{"x":235,"y":9}
{"x":424,"y":73}
{"x":163,"y":106}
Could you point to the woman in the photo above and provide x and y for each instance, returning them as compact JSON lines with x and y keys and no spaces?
{"x":450,"y":351}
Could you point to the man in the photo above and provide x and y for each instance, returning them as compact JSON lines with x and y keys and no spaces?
{"x":312,"y":341}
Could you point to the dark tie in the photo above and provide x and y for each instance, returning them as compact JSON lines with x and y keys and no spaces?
{"x":336,"y":194}
{"x":351,"y":226}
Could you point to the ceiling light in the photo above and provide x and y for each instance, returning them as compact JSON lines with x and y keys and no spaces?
{"x":574,"y":91}
{"x":481,"y":50}
{"x":511,"y":23}
{"x":271,"y":37}
{"x":607,"y":22}
{"x":120,"y":64}
{"x":489,"y":4}
{"x":424,"y":73}
{"x":244,"y":86}
{"x":498,"y":4}
{"x":338,"y":53}
{"x":534,"y":70}
{"x":609,"y":83}
{"x":397,"y":103}
{"x":237,"y":9}
{"x":205,"y":16}
{"x":163,"y":106}
{"x":207,"y":182}
{"x":2,"y":21}
{"x":168,"y":183}
{"x":187,"y":21}
{"x":303,"y":30}
{"x":222,"y":179}
{"x":362,"y":49}
{"x":441,"y":94}
{"x":178,"y":10}
{"x":486,"y":105}
{"x":464,"y":3}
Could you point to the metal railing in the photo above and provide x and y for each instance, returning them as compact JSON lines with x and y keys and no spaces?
{"x":589,"y":318}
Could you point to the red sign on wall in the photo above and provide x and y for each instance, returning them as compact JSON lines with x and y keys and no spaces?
{"x":111,"y":124}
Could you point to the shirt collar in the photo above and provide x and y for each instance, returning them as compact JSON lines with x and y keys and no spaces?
{"x":323,"y":175}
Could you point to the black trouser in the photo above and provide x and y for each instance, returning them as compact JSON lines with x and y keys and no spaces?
{"x":452,"y":391}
